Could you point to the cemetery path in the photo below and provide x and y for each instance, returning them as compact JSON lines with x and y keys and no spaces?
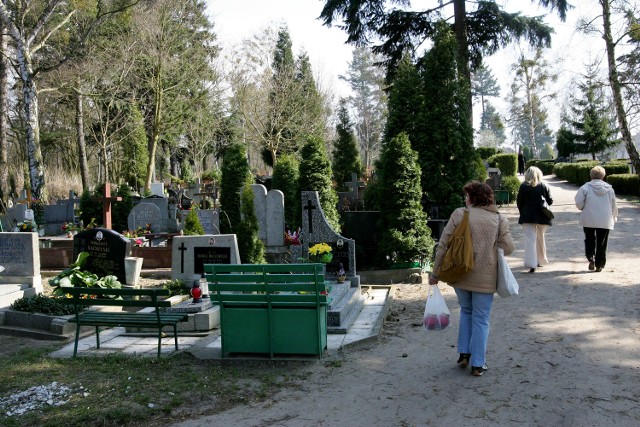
{"x":564,"y":352}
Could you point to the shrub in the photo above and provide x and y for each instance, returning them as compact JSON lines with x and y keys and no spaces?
{"x":616,"y":168}
{"x":546,"y":166}
{"x":192,"y":226}
{"x":486,"y":152}
{"x":512,"y":185}
{"x":627,"y":183}
{"x":176,"y":287}
{"x":507,"y":163}
{"x":43,"y":304}
{"x":576,"y":173}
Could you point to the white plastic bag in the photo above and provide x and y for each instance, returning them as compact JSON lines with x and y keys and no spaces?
{"x":436,"y":314}
{"x":507,"y":284}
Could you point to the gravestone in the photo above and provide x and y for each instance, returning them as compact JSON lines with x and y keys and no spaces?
{"x":316,"y":229}
{"x":146,"y":214}
{"x":15,"y":214}
{"x":107,"y":251}
{"x":55,"y":216}
{"x":210,"y":220}
{"x":157,"y":189}
{"x":189,"y":254}
{"x":269,"y":209}
{"x":20,"y":257}
{"x":495,"y":178}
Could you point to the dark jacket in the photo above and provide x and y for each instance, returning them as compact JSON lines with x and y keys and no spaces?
{"x":529,"y":199}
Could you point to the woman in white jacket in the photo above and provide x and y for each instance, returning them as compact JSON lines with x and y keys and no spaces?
{"x":597,"y":201}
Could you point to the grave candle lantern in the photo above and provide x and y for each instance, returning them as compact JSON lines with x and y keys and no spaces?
{"x":196,"y":292}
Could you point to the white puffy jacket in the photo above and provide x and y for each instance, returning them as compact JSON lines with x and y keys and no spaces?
{"x":597,"y":201}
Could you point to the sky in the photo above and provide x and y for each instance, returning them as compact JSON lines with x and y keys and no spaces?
{"x":235,"y":20}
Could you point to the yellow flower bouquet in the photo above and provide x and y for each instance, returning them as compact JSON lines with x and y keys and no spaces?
{"x":320,"y":252}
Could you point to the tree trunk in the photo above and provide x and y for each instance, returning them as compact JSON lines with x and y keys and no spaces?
{"x":4,"y":144}
{"x":32,"y":128}
{"x":460,"y":28}
{"x":614,"y":81}
{"x":82,"y":148}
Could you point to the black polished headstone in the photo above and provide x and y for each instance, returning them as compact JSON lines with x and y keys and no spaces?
{"x":210,"y":255}
{"x":107,"y":250}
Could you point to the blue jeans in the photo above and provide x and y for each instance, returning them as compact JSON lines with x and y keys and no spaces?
{"x":475,"y":309}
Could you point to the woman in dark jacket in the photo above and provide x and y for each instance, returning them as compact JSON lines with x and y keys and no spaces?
{"x":534,"y":222}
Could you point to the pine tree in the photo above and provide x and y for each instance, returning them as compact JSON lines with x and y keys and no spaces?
{"x":405,"y":101}
{"x":484,"y":84}
{"x":315,"y":175}
{"x":594,"y":129}
{"x":405,"y":236}
{"x":346,"y":158}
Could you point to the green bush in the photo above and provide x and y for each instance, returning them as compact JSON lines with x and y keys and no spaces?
{"x":486,"y":152}
{"x":616,"y":168}
{"x":575,"y":173}
{"x":176,"y":287}
{"x":512,"y":185}
{"x":546,"y":166}
{"x":507,"y":163}
{"x":43,"y":304}
{"x":627,"y":183}
{"x":192,"y":226}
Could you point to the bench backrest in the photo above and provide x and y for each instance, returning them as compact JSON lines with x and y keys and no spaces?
{"x":297,"y":284}
{"x":124,"y":297}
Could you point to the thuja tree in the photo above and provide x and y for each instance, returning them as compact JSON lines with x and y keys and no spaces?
{"x":315,"y":175}
{"x":236,"y":203}
{"x":447,"y":156}
{"x":250,"y":246}
{"x":235,"y":170}
{"x":285,"y":179}
{"x":346,"y":156}
{"x":192,"y":226}
{"x":405,"y":236}
{"x":122,"y":208}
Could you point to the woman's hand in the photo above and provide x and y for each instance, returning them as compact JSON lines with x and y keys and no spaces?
{"x":433,"y":280}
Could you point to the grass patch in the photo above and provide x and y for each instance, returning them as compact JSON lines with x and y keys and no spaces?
{"x":125,"y":390}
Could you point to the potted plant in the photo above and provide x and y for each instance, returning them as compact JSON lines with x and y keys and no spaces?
{"x":320,"y":252}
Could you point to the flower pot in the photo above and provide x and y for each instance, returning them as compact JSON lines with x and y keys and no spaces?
{"x":341,"y":278}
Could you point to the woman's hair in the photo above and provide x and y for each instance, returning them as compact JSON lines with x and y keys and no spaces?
{"x":480,"y":194}
{"x":533,"y":176}
{"x":597,"y":172}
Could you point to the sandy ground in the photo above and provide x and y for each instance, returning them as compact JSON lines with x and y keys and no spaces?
{"x":565,"y":352}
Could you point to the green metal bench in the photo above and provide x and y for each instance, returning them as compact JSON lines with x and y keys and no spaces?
{"x":501,"y":196}
{"x":137,"y":298}
{"x":274,"y":309}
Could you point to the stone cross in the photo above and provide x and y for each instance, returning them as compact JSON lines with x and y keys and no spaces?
{"x":309,"y":208}
{"x":106,"y":204}
{"x":354,"y":185}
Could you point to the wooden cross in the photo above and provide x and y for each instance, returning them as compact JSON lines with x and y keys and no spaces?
{"x":309,"y":208}
{"x":106,"y":204}
{"x":26,"y":198}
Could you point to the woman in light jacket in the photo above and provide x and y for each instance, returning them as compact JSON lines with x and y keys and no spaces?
{"x":534,"y":223}
{"x":597,"y":201}
{"x":489,"y":230}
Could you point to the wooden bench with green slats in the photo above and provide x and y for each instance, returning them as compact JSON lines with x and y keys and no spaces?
{"x":137,"y":298}
{"x":271,"y":309}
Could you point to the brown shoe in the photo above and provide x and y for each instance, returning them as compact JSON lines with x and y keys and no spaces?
{"x":592,"y":266}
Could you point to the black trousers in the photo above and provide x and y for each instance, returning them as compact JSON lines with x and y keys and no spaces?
{"x":595,"y":245}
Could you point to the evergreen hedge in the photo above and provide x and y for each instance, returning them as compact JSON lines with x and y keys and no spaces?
{"x":486,"y":152}
{"x":512,"y":185}
{"x":576,"y":173}
{"x":546,"y":166}
{"x":507,"y":163}
{"x":616,"y":168}
{"x":628,"y":183}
